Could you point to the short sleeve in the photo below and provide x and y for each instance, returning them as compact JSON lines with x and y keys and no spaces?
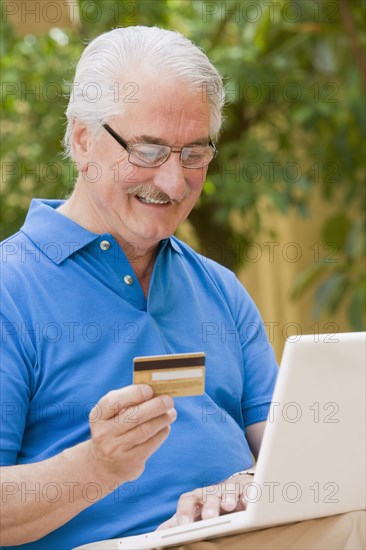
{"x":260,"y":367}
{"x":15,"y":384}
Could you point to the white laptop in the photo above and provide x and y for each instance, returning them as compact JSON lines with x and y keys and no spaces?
{"x":312,"y":459}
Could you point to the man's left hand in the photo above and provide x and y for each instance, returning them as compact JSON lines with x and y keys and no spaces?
{"x":210,"y":502}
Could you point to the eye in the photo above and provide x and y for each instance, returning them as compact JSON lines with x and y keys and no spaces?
{"x":149,"y":153}
{"x":192,"y":152}
{"x":192,"y":155}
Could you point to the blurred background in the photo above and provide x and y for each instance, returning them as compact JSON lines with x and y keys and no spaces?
{"x":284,"y":202}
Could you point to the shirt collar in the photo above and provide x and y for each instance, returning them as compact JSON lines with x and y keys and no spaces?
{"x":57,"y":236}
{"x":174,"y":244}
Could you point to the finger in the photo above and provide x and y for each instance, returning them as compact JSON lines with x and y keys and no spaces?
{"x":135,"y":414}
{"x":114,"y":401}
{"x":141,"y":453}
{"x":189,"y":508}
{"x":231,"y":491}
{"x":127,"y":462}
{"x":211,"y":507}
{"x":145,"y":431}
{"x":249,"y":493}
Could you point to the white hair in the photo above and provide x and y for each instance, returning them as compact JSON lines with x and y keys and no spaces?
{"x":104,"y":81}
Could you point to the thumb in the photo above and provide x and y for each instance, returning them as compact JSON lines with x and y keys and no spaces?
{"x":172,"y":522}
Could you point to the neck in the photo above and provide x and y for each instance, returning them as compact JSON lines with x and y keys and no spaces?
{"x":143,"y":264}
{"x":141,"y":258}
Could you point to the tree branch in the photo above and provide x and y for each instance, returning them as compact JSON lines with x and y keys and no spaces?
{"x":349,"y":25}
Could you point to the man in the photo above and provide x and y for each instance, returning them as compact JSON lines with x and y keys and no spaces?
{"x":91,"y":282}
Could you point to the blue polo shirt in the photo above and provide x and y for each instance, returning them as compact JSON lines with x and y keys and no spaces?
{"x":74,"y":317}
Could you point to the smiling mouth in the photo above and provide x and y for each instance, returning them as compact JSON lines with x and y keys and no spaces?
{"x":151,"y":195}
{"x":150,"y":200}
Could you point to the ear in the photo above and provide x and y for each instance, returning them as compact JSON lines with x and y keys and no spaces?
{"x":80,"y":137}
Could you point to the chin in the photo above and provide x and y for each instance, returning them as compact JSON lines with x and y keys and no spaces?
{"x":151,"y":232}
{"x":156,"y":238}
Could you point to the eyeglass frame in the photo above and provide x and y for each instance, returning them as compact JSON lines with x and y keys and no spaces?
{"x":128,"y":148}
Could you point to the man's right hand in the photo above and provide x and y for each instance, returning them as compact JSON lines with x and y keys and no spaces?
{"x":127,"y":426}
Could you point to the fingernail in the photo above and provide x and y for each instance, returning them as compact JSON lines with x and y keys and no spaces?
{"x":173,"y":414}
{"x":168,"y":401}
{"x":147,"y":391}
{"x":230,"y":502}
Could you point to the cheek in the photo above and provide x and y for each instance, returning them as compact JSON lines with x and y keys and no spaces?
{"x":195,"y":179}
{"x":128,"y":175}
{"x":121,"y":175}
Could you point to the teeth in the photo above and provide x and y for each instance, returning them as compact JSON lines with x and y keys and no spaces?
{"x":147,"y":200}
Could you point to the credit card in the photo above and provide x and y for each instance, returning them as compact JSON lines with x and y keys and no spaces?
{"x":177,"y":375}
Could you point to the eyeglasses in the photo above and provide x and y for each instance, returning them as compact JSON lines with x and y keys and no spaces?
{"x":151,"y":155}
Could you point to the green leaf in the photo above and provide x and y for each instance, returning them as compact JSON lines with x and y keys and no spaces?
{"x":356,"y":242}
{"x":330,"y":294}
{"x":335,"y":230}
{"x":356,"y":308}
{"x":307,"y":278}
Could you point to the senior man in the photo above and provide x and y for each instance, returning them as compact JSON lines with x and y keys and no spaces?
{"x":91,"y":282}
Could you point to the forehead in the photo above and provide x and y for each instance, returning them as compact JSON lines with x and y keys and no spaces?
{"x":165,"y":109}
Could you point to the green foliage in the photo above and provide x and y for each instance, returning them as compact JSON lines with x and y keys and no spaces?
{"x":340,"y":279}
{"x":294,"y":122}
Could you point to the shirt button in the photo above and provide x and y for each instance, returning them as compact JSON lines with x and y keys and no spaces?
{"x":105,"y":245}
{"x":128,"y":280}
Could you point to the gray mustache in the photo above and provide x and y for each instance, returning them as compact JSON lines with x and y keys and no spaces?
{"x":146,"y":190}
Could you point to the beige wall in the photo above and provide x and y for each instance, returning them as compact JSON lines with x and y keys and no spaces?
{"x":270,"y":279}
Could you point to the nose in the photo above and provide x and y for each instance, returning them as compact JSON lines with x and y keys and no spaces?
{"x":170,"y":178}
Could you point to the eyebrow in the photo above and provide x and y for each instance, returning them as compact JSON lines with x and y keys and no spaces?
{"x":151,"y":139}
